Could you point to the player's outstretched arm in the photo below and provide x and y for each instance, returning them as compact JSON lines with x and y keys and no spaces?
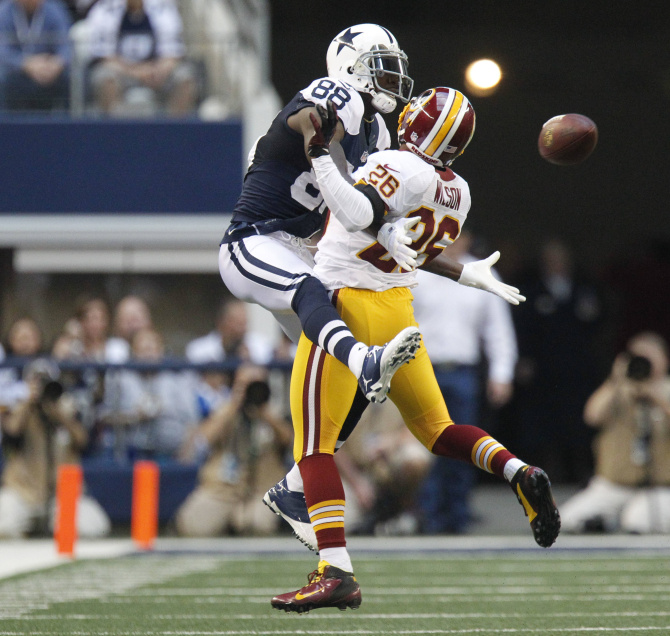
{"x":476,"y":274}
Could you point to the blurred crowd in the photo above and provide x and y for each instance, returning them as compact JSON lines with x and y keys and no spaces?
{"x":56,"y":408}
{"x":131,"y":54}
{"x":550,"y":377}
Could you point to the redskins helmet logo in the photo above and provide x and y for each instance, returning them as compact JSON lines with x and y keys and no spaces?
{"x":418,"y":104}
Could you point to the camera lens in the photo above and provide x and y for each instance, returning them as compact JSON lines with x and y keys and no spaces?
{"x":639,"y":368}
{"x":258,"y":393}
{"x":52,"y":391}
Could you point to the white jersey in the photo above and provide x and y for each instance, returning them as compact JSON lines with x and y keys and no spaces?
{"x":409,"y":187}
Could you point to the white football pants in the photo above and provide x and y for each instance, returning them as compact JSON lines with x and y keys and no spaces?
{"x":267,"y":270}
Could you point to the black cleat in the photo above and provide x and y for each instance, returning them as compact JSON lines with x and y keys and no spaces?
{"x":532,"y":488}
{"x":327,"y":586}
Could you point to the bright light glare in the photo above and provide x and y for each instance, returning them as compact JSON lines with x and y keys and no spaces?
{"x":482,"y":77}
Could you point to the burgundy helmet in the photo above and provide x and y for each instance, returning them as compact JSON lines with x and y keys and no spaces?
{"x":437,"y":125}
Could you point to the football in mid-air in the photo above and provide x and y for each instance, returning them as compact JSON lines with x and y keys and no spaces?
{"x":567,"y":139}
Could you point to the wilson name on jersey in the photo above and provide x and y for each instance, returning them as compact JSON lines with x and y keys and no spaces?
{"x":280,"y":191}
{"x":410,"y":188}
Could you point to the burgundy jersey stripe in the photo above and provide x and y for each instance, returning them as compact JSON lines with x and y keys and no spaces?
{"x":305,"y":400}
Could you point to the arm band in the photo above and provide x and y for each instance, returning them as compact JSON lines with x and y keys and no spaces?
{"x":379,"y":208}
{"x":350,"y":207}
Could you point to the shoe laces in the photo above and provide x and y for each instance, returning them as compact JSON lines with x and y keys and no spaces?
{"x":317,"y":575}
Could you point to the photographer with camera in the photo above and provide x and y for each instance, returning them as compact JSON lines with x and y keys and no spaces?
{"x":242,"y":445}
{"x":630,"y":490}
{"x":41,"y":433}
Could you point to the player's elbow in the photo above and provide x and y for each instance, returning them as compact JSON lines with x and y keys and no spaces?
{"x":355,"y":218}
{"x":356,"y":225}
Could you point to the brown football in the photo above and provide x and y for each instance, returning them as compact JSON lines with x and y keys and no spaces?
{"x":567,"y":139}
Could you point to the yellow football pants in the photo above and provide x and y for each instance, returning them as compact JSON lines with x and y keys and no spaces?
{"x":323,"y":389}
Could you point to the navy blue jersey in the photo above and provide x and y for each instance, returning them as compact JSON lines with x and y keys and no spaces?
{"x":280,"y":191}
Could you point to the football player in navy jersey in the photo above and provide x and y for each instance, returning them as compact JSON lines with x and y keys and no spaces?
{"x":265,"y":257}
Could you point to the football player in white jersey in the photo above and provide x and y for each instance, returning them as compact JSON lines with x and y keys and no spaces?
{"x":372,"y":293}
{"x":264,"y":256}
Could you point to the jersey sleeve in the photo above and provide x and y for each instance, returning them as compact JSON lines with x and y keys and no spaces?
{"x":348,"y":102}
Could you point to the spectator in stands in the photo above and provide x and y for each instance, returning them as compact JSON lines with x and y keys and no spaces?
{"x":148,"y":413}
{"x":67,"y":344}
{"x":86,"y":336}
{"x":231,"y":340}
{"x":630,"y":490}
{"x":243,"y":444}
{"x":138,"y":56}
{"x":469,"y":337}
{"x":41,"y":433}
{"x":35,"y":54}
{"x":23,"y":340}
{"x":93,"y":316}
{"x":79,"y":8}
{"x":132,"y":314}
{"x":11,"y":390}
{"x":559,"y":330}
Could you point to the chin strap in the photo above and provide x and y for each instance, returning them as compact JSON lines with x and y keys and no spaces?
{"x":383,"y":102}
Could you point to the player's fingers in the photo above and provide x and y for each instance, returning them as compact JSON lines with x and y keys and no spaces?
{"x":411,"y":222}
{"x":513,"y":298}
{"x":315,"y":122}
{"x":332,"y":113}
{"x":408,"y":252}
{"x":493,"y":259}
{"x":406,"y":258}
{"x":513,"y":291}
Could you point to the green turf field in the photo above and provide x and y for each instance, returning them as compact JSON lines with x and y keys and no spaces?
{"x":533,"y":592}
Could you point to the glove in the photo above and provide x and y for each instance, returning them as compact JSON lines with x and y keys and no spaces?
{"x":478,"y":274}
{"x":394,"y":238}
{"x":323,"y":130}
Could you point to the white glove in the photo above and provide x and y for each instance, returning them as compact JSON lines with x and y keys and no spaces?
{"x":394,"y":238}
{"x":478,"y":274}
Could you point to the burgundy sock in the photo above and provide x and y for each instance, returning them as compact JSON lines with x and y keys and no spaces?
{"x":474,"y":446}
{"x":324,"y":496}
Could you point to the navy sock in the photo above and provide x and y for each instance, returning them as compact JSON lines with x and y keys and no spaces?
{"x":320,"y":320}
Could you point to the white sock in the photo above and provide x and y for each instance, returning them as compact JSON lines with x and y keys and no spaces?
{"x":356,"y":357}
{"x":511,"y":468}
{"x":339,"y":557}
{"x":294,"y":479}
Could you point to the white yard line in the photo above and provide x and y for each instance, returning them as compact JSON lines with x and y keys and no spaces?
{"x":365,"y":632}
{"x":359,"y":614}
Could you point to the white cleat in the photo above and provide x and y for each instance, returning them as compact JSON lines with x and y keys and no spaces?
{"x":382,"y":362}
